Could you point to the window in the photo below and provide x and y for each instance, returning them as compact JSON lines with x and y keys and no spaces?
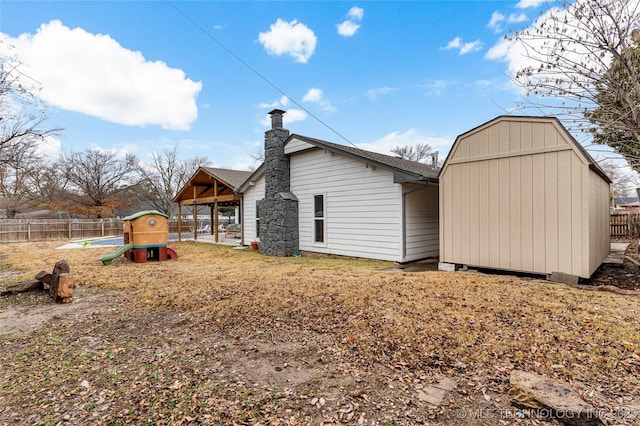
{"x":318,"y":218}
{"x":257,"y":219}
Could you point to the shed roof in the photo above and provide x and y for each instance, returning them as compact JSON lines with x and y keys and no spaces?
{"x":593,"y":164}
{"x":144,"y":213}
{"x":404,"y":170}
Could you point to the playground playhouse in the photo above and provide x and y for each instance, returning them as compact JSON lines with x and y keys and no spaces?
{"x":145,"y":236}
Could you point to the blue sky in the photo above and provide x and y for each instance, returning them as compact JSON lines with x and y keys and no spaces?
{"x":140,"y":76}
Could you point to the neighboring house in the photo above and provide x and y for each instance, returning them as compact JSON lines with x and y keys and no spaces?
{"x":521,"y":194}
{"x":317,"y":196}
{"x":626,"y":203}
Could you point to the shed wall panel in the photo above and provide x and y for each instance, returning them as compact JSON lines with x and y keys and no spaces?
{"x":551,"y":211}
{"x":565,"y":209}
{"x":527,"y":212}
{"x":515,"y":213}
{"x":503,"y":213}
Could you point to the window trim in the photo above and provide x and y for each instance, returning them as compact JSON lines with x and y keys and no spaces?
{"x":322,"y":219}
{"x":257,"y":233}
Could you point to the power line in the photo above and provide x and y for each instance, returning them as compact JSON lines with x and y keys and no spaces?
{"x":256,"y":72}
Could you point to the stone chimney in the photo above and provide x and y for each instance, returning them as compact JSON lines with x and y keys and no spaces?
{"x":279,"y":208}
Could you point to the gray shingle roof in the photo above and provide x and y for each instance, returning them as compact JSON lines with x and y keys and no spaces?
{"x":235,"y":178}
{"x":420,"y":171}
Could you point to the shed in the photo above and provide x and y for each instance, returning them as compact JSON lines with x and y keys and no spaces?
{"x":521,"y":194}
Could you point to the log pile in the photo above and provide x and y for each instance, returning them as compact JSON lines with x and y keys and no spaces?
{"x":59,"y":283}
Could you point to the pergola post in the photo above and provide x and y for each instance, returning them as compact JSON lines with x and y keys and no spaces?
{"x":179,"y":221}
{"x":215,"y":210}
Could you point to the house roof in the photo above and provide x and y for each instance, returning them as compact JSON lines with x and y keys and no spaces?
{"x":626,"y":201}
{"x":593,"y":165}
{"x":201,"y":187}
{"x":404,"y":170}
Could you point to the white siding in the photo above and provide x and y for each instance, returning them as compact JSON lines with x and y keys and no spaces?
{"x":362,"y":205}
{"x":295,"y":145}
{"x":250,"y":196}
{"x":421,"y":222}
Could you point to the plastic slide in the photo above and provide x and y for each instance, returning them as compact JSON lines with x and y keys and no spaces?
{"x":107,"y":258}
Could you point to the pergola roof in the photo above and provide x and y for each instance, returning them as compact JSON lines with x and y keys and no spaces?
{"x":209,"y":185}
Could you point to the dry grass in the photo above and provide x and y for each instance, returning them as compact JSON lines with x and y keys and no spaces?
{"x":454,"y":323}
{"x":421,"y":319}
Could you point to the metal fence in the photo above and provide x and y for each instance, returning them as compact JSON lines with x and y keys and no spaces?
{"x":28,"y":230}
{"x":625,"y":225}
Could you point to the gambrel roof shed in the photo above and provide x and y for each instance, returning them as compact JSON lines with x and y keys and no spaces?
{"x":521,"y":194}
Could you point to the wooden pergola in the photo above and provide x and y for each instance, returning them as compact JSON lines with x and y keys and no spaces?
{"x":210,"y":187}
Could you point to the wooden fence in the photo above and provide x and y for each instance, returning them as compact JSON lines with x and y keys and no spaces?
{"x":26,"y":230}
{"x":625,"y":225}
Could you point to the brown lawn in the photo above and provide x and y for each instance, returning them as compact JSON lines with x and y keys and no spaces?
{"x":223,"y":336}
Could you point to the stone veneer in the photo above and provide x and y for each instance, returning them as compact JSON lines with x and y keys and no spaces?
{"x":279,"y":208}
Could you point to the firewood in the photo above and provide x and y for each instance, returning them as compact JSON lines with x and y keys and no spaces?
{"x":28,"y":285}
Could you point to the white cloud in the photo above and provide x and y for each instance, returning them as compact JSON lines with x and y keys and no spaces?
{"x":410,"y":137}
{"x":94,"y":75}
{"x":316,"y":96}
{"x":496,"y":19}
{"x":356,"y":13}
{"x":379,"y":91}
{"x":49,"y":148}
{"x":313,"y":95}
{"x":435,"y":87}
{"x":349,"y":27}
{"x":517,"y":18}
{"x":290,"y":116}
{"x":463,"y":48}
{"x":524,"y":4}
{"x":473,"y":46}
{"x":289,"y":38}
{"x":454,"y":44}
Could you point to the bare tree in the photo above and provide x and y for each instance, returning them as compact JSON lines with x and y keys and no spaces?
{"x":418,"y":152}
{"x":49,"y":187}
{"x":625,"y":181}
{"x":22,"y":129}
{"x":258,"y":157}
{"x":98,"y":179}
{"x":582,"y":57}
{"x":162,"y":178}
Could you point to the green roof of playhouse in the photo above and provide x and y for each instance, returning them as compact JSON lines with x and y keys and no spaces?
{"x":144,"y":213}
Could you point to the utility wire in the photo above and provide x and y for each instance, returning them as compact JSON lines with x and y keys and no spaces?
{"x":256,"y":72}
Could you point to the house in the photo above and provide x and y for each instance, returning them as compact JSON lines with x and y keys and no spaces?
{"x":317,"y":196}
{"x":521,"y":194}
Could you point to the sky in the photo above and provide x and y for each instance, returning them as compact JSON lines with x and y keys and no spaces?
{"x":143,"y":76}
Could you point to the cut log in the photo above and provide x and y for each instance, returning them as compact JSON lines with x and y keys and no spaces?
{"x":61,"y":290}
{"x":65,"y":288}
{"x":44,"y":277}
{"x":28,"y":285}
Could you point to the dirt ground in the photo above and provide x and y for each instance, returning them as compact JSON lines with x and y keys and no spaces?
{"x":117,"y":365}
